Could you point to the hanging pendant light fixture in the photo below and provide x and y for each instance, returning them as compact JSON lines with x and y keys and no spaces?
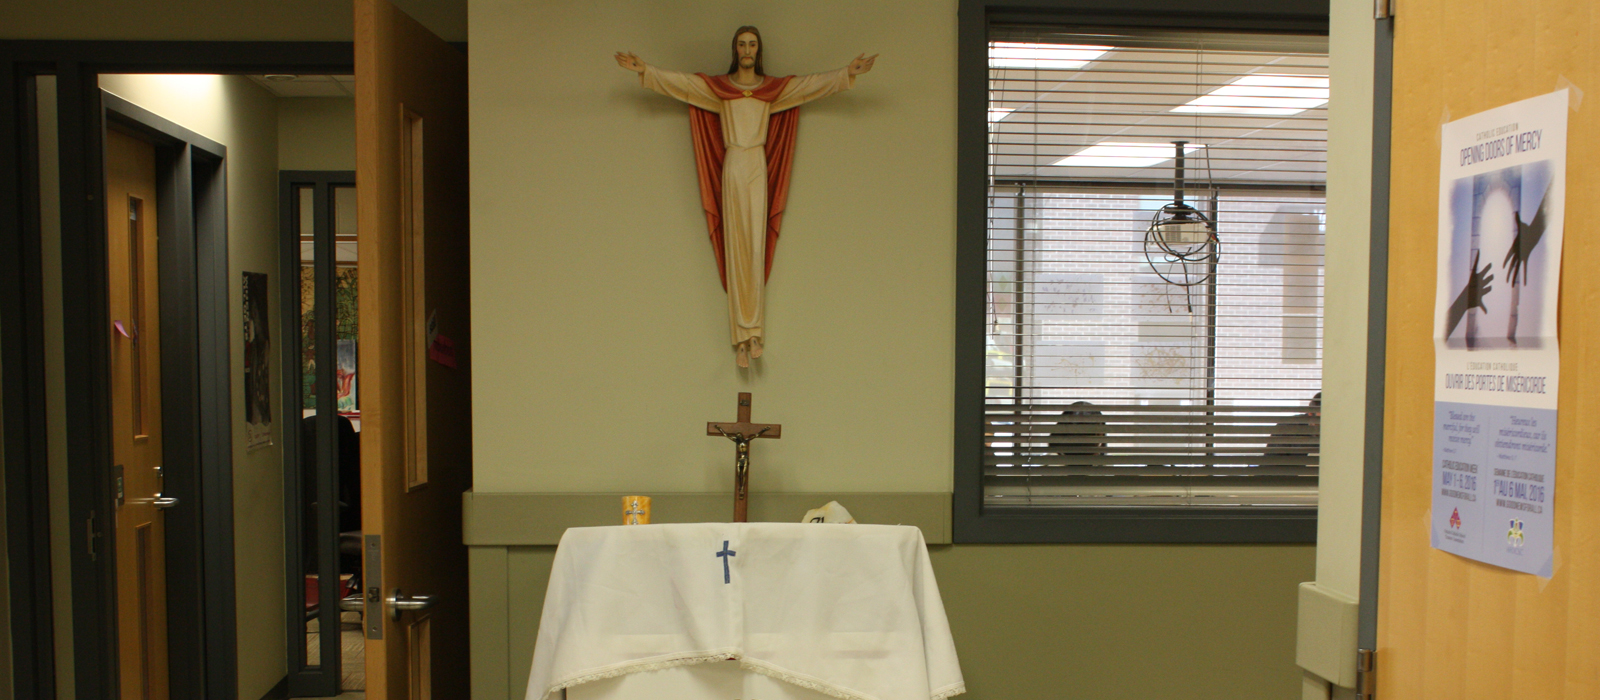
{"x":1181,"y":244}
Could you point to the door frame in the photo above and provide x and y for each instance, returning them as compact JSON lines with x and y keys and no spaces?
{"x":1377,"y":334}
{"x":325,"y":681}
{"x":22,"y":389}
{"x":208,"y":670}
{"x":192,"y":245}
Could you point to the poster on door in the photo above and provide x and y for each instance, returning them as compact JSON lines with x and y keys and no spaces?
{"x":1502,"y":187}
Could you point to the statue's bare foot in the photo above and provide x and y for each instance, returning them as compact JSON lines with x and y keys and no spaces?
{"x":742,"y":355}
{"x":755,"y":347}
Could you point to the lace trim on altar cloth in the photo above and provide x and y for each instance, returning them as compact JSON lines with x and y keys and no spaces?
{"x":653,"y":664}
{"x":662,"y":663}
{"x":806,"y":682}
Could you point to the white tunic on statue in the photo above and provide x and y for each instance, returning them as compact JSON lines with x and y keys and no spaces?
{"x":744,"y":181}
{"x":777,"y":611}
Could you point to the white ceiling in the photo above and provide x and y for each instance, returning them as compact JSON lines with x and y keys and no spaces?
{"x":308,"y":85}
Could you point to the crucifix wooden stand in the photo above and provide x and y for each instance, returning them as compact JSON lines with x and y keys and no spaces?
{"x":741,"y":432}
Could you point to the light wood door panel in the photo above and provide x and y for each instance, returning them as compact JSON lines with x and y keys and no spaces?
{"x":411,"y":177}
{"x":140,"y":539}
{"x":1450,"y":628}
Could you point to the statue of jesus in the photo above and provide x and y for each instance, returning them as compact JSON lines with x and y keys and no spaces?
{"x":744,"y":125}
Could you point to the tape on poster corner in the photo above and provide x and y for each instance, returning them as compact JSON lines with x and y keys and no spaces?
{"x":1555,"y":567}
{"x":1575,"y":97}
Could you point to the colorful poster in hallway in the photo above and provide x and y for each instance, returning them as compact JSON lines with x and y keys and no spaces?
{"x":1502,"y":187}
{"x":257,"y":360}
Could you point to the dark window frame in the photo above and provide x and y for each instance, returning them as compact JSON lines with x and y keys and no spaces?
{"x":1167,"y":525}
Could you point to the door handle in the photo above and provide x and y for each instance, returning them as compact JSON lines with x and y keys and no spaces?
{"x":160,"y":501}
{"x":400,"y":602}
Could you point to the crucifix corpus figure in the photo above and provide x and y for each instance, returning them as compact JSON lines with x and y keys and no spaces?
{"x":741,"y":432}
{"x":744,"y":125}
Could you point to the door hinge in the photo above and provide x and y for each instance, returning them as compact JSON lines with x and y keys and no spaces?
{"x":1366,"y":674}
{"x":1382,"y":9}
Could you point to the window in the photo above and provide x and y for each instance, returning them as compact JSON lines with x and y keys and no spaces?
{"x":1151,"y":288}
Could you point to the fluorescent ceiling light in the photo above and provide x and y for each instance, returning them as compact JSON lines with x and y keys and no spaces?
{"x":1124,"y":155}
{"x":998,"y":113}
{"x":1042,"y":56}
{"x":1263,"y":94}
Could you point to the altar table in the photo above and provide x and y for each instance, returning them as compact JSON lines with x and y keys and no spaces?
{"x":775,"y":611}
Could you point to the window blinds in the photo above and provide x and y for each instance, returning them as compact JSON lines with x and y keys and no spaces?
{"x":1119,"y":375}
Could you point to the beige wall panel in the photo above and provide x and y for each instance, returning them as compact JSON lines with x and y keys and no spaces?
{"x":198,"y":20}
{"x":1106,"y":622}
{"x":1450,"y":627}
{"x":238,"y":114}
{"x":316,"y":133}
{"x":602,"y":331}
{"x":1344,"y":355}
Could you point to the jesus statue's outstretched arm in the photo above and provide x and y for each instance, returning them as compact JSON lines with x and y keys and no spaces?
{"x":679,"y":86}
{"x":800,"y":89}
{"x":805,"y":88}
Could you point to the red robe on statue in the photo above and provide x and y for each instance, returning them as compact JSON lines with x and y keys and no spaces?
{"x":706,"y":127}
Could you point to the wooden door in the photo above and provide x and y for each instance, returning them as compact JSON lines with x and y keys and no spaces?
{"x":416,"y":459}
{"x":130,"y":167}
{"x":1448,"y":627}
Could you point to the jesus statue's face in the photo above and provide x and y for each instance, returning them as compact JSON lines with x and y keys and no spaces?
{"x":746,"y":45}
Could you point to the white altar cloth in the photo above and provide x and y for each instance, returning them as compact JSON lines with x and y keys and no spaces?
{"x":850,"y":611}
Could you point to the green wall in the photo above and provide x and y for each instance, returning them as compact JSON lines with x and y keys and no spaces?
{"x":601,"y":331}
{"x":316,"y":133}
{"x":601,"y":340}
{"x":1091,"y":622}
{"x":1110,"y":622}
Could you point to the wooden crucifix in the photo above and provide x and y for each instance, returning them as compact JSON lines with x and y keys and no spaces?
{"x":741,"y":432}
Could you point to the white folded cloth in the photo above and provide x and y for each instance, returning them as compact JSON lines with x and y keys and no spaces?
{"x":831,"y":512}
{"x":852,"y":612}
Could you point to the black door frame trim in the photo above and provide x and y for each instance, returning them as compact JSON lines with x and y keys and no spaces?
{"x":324,"y":681}
{"x":77,"y":66}
{"x":22,"y":400}
{"x":1377,"y":333}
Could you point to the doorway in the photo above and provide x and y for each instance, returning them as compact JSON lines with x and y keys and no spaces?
{"x":167,"y":500}
{"x":61,"y":335}
{"x":202,"y":370}
{"x":322,"y":455}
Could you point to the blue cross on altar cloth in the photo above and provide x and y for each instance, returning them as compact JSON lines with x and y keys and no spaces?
{"x":726,"y":555}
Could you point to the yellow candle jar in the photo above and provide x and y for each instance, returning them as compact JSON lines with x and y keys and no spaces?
{"x":635,"y":510}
